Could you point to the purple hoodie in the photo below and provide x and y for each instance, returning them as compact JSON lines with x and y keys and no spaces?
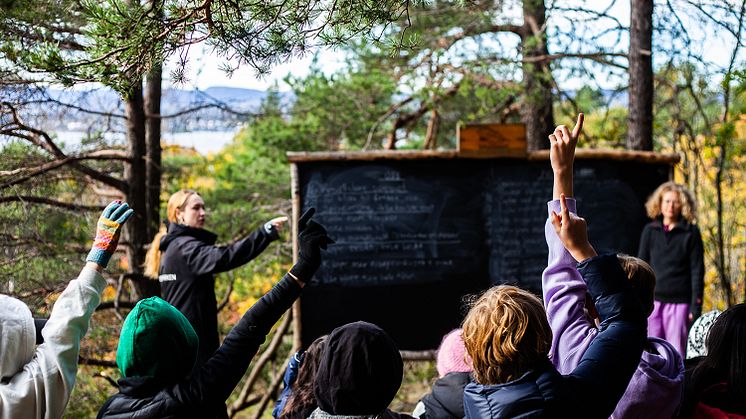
{"x":655,"y":389}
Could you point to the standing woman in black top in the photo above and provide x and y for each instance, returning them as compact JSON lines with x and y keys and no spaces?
{"x":184,"y":258}
{"x":672,"y":245}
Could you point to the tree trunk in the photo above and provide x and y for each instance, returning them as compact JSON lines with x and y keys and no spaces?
{"x":135,"y":175}
{"x":536,"y":111}
{"x":640,"y":117}
{"x":153,"y":149}
{"x":391,"y":137}
{"x":431,"y":135}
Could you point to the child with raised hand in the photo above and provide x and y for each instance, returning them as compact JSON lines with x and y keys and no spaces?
{"x":508,"y":337}
{"x":36,"y":381}
{"x":158,"y":347}
{"x":656,"y":386}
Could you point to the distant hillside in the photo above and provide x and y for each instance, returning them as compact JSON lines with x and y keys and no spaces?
{"x":218,"y":109}
{"x":214,"y":109}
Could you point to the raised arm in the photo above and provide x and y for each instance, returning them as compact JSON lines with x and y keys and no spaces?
{"x":570,"y":228}
{"x":46,"y":382}
{"x":563,"y":288}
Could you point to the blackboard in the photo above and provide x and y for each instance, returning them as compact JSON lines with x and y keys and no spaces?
{"x":414,"y":237}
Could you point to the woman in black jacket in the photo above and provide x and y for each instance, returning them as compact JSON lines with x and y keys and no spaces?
{"x":185,"y":259}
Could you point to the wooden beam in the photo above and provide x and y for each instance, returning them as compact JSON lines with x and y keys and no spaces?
{"x":581,"y":154}
{"x":612,"y":154}
{"x":305,"y":156}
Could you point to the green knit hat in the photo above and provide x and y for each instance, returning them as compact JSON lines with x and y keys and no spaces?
{"x":156,"y":341}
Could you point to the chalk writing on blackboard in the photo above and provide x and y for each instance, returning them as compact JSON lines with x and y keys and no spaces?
{"x":414,"y":237}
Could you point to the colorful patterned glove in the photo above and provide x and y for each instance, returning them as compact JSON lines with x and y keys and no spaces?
{"x":107,"y":232}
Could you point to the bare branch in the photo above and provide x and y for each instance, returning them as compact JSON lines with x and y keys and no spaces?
{"x":76,"y":107}
{"x":51,"y":202}
{"x":108,"y":305}
{"x":97,"y":362}
{"x":228,"y":292}
{"x":108,"y":379}
{"x":599,"y":57}
{"x":43,"y":140}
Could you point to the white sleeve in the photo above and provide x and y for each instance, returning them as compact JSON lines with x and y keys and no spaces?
{"x":42,"y":389}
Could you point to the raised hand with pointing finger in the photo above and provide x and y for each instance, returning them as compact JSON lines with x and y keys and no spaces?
{"x":562,"y":156}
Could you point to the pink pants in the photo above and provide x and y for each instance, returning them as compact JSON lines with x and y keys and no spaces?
{"x":670,"y":321}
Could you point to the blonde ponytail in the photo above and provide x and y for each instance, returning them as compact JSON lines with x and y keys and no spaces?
{"x":153,"y":257}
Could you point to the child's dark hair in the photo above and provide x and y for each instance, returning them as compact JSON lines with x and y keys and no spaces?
{"x":726,"y":354}
{"x":302,"y":401}
{"x":642,"y":279}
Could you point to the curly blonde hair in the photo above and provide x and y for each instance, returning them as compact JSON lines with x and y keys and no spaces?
{"x":506,"y":333}
{"x":688,"y":207}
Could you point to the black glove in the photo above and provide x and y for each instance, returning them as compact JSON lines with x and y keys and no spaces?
{"x":312,"y":238}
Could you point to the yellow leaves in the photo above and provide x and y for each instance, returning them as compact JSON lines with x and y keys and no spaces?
{"x":201,"y":183}
{"x":245,"y":304}
{"x":109,"y":293}
{"x":699,"y":170}
{"x":51,"y":298}
{"x":172,"y":150}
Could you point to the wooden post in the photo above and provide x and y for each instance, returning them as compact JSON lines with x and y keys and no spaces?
{"x":295,"y":197}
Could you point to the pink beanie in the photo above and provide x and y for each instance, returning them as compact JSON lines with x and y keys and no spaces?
{"x":452,"y":354}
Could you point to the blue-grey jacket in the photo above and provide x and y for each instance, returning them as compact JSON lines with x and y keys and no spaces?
{"x":593,"y":389}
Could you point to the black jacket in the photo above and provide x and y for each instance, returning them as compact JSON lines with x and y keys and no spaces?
{"x":677,"y":257}
{"x":596,"y":385}
{"x":211,"y":383}
{"x":446,"y":401}
{"x":189,"y":259}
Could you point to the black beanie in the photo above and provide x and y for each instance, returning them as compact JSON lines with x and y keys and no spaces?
{"x":360,"y":371}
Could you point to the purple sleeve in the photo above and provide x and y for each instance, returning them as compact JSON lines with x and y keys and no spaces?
{"x":564,"y":299}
